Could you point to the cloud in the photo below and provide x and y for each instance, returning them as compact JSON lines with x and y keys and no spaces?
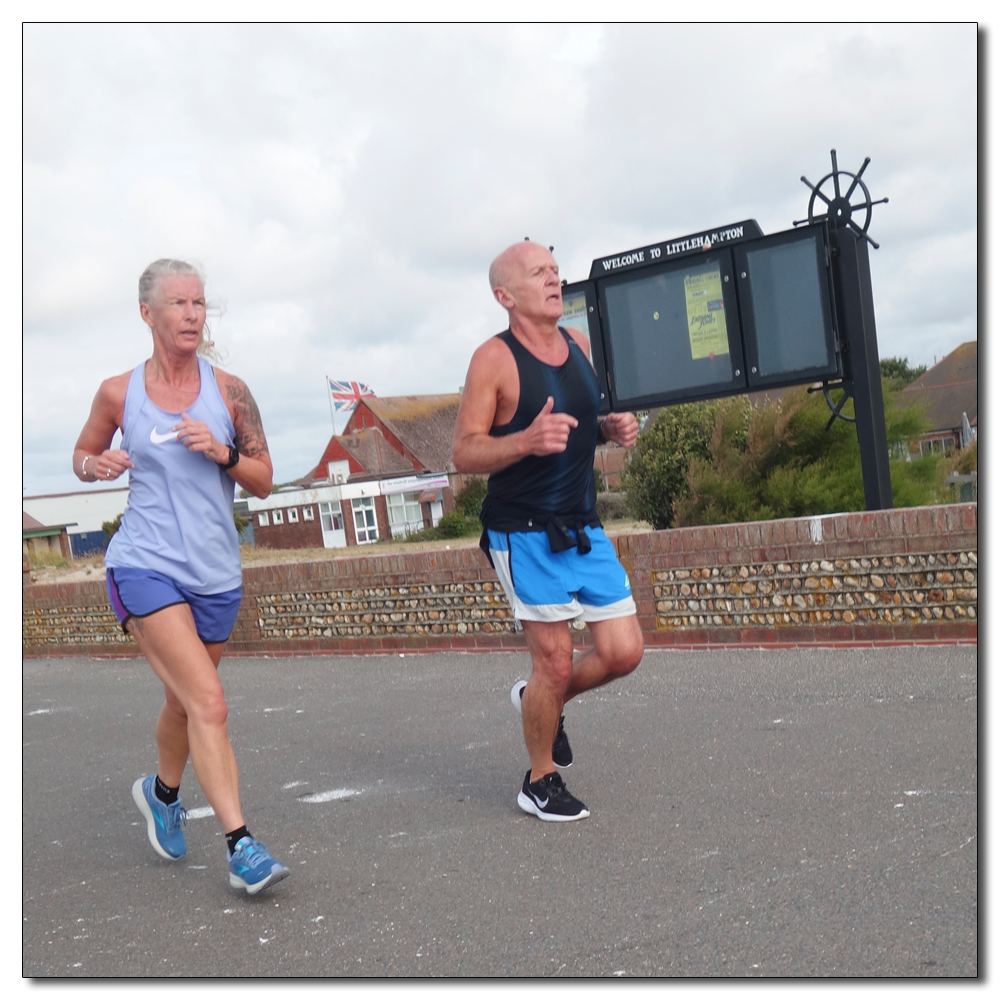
{"x":346,"y":186}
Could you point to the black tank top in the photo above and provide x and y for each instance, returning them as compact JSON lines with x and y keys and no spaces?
{"x":534,"y":491}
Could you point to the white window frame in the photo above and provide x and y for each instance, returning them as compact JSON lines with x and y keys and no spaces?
{"x":365,"y":526}
{"x":307,"y":513}
{"x":405,"y":513}
{"x":332,"y":518}
{"x":279,"y":518}
{"x":293,"y":515}
{"x":262,"y":519}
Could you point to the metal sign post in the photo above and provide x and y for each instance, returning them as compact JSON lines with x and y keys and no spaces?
{"x":863,"y":376}
{"x":856,"y":310}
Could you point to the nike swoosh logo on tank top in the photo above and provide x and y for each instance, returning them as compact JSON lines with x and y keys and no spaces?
{"x":157,"y":438}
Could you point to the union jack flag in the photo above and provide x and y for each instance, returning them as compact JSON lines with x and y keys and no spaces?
{"x":346,"y":394}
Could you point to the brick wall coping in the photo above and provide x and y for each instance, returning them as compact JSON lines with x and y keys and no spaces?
{"x":428,"y":601}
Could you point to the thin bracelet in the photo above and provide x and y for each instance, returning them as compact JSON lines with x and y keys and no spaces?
{"x":83,"y":465}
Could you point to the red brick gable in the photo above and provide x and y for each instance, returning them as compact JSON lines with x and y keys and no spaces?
{"x":364,"y":417}
{"x":335,"y":452}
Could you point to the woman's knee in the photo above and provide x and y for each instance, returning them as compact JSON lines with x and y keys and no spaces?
{"x":209,"y":708}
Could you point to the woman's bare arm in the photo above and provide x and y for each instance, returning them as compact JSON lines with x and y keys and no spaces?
{"x":93,"y":458}
{"x":254,"y":471}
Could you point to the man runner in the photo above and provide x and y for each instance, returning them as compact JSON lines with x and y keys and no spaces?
{"x":529,"y":419}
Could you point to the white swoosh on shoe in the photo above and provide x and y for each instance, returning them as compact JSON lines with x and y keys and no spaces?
{"x":158,"y":438}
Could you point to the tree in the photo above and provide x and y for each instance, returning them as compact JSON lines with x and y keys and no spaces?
{"x":655,"y":477}
{"x":899,"y":373}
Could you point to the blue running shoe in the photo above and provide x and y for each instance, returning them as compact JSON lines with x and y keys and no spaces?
{"x":163,"y":822}
{"x":251,"y":866}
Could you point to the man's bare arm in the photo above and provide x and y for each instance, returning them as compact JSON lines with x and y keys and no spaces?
{"x":473,"y":449}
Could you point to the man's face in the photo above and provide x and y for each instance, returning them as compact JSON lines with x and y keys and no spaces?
{"x":534,"y":285}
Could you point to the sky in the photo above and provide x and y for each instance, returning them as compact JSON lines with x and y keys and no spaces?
{"x":345,"y":187}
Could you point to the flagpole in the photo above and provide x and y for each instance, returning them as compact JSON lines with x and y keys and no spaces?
{"x":329,"y":396}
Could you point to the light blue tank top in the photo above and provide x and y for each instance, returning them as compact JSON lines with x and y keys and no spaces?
{"x":179,"y":516}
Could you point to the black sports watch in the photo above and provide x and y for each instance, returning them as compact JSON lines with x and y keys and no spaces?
{"x":234,"y":457}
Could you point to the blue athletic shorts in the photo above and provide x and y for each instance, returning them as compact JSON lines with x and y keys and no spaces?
{"x":546,"y":586}
{"x":136,"y":593}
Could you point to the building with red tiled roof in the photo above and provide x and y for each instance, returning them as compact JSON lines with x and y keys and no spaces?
{"x":421,"y":428}
{"x":949,"y":396}
{"x":387,"y":475}
{"x":368,"y":454}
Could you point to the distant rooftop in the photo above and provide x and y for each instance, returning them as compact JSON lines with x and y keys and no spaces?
{"x":425,"y":424}
{"x":949,"y":389}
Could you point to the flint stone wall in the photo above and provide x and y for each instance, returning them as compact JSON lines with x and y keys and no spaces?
{"x":900,"y":576}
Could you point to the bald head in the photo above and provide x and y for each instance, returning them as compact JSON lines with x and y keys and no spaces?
{"x":525,"y":281}
{"x":511,"y":264}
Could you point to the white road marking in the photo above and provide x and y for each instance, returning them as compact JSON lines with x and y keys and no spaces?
{"x":336,"y":793}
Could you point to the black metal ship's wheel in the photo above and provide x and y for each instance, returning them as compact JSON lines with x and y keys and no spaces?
{"x":836,"y":407}
{"x":839,"y":210}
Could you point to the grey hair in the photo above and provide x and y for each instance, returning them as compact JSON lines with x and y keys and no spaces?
{"x":164,"y":267}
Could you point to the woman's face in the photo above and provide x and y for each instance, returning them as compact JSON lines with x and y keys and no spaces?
{"x":177,"y":313}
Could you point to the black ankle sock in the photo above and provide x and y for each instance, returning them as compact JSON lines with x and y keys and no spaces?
{"x":232,"y":839}
{"x":166,"y":794}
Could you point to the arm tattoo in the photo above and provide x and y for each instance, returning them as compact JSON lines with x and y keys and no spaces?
{"x":250,"y":440}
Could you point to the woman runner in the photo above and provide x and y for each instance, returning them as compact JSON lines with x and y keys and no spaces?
{"x":190,"y":433}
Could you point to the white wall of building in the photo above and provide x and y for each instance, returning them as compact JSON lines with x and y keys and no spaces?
{"x":89,"y":509}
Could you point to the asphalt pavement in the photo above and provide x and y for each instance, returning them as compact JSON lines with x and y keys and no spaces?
{"x":754,"y":813}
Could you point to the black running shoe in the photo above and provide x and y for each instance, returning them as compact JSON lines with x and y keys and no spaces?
{"x":549,"y":799}
{"x":562,"y":755}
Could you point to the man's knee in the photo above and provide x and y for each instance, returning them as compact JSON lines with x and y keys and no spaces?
{"x":621,"y":647}
{"x":552,"y":669}
{"x":630,"y":655}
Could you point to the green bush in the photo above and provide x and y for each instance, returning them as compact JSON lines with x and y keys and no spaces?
{"x":455,"y":525}
{"x":655,"y":476}
{"x":780,"y":460}
{"x":612,"y":506}
{"x":469,"y":499}
{"x":965,"y":460}
{"x":452,"y":525}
